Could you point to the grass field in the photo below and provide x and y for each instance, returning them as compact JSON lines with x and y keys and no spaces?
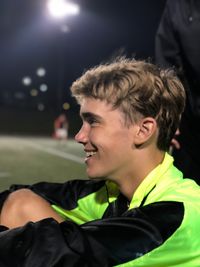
{"x":26,"y":160}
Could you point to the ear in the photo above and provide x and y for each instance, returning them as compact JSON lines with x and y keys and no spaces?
{"x":145,"y":131}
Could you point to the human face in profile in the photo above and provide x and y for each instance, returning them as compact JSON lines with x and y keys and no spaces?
{"x":106,"y":139}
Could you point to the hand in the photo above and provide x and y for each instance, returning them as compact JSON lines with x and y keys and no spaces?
{"x":174,"y":142}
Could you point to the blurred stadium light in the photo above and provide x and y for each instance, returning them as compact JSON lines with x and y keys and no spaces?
{"x":61,"y":8}
{"x":66,"y":106}
{"x":43,"y":87}
{"x":41,"y":106}
{"x":33,"y":92}
{"x":41,"y":71}
{"x":26,"y":80}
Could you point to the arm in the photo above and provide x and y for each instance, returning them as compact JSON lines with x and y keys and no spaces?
{"x":167,"y":47}
{"x":105,"y":242}
{"x":23,"y":203}
{"x":65,"y":194}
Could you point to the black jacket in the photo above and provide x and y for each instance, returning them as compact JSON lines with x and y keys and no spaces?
{"x":178,"y":45}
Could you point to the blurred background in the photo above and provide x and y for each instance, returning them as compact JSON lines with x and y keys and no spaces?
{"x":44,"y":46}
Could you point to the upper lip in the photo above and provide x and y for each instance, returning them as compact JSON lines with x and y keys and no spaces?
{"x":90,"y":150}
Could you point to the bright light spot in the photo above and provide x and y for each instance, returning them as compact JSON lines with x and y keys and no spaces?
{"x":41,"y":72}
{"x":66,"y":106}
{"x":34,"y":92}
{"x":61,"y":8}
{"x":41,"y":106}
{"x":43,"y":87}
{"x":26,"y":80}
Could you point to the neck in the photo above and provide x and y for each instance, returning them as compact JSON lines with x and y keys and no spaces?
{"x":130,"y":182}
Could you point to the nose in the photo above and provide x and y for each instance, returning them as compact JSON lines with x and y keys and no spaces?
{"x":82,"y":135}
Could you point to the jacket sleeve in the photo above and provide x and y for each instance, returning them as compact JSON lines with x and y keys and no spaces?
{"x":105,"y":242}
{"x":167,"y":46}
{"x":65,"y":194}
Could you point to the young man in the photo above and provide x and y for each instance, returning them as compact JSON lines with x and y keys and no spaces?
{"x":136,"y":209}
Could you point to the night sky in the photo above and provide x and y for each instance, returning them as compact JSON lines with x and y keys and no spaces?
{"x":30,"y":39}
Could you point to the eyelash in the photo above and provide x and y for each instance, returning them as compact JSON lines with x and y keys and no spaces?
{"x":92,"y":121}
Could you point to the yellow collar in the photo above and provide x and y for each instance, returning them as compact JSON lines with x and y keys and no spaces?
{"x":150,"y":181}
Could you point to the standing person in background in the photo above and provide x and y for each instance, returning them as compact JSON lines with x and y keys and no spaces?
{"x":178,"y":46}
{"x":61,"y":126}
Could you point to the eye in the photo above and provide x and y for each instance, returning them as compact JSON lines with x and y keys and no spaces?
{"x":92,"y":120}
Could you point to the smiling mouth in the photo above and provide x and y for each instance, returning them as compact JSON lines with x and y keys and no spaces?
{"x":89,"y":154}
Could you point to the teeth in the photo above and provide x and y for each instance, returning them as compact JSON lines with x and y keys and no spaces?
{"x":91,"y":153}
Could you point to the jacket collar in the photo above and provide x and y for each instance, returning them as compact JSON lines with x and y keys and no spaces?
{"x":151,"y":180}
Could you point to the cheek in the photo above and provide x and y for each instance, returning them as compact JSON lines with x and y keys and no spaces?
{"x":123,"y":138}
{"x":111,"y":142}
{"x":118,"y":146}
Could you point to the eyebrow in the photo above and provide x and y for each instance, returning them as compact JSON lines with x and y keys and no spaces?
{"x":88,"y":115}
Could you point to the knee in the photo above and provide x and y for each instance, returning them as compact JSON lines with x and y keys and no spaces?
{"x":18,"y":203}
{"x":23,"y":206}
{"x":18,"y":200}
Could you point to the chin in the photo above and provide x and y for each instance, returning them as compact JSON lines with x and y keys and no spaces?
{"x":95,"y":175}
{"x":97,"y":178}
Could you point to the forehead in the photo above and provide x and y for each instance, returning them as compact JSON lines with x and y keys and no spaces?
{"x":100,"y":108}
{"x":91,"y":104}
